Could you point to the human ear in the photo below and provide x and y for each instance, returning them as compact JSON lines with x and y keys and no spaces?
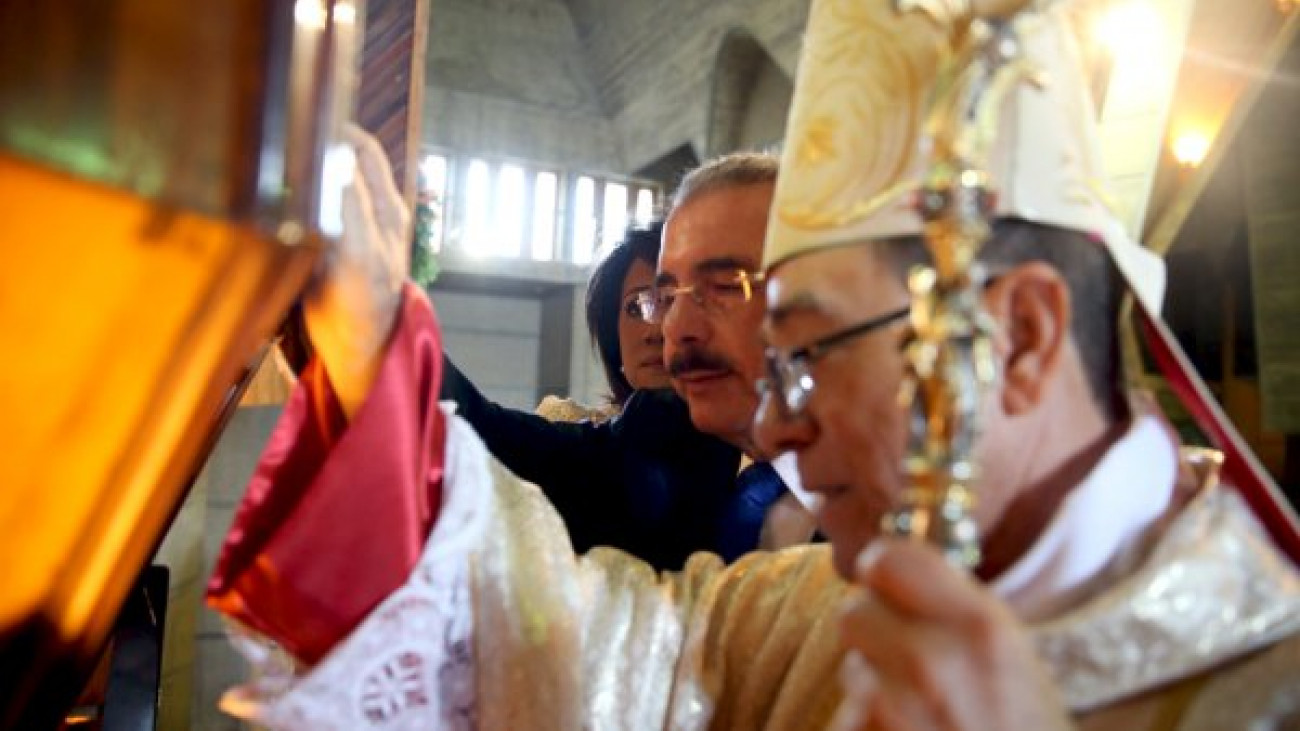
{"x":1031,"y":304}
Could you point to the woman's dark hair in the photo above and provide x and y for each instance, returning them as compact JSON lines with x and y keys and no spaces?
{"x":605,"y":301}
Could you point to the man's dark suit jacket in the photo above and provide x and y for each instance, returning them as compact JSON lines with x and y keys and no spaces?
{"x":646,"y":481}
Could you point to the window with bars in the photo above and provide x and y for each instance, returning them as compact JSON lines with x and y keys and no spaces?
{"x":494,"y":208}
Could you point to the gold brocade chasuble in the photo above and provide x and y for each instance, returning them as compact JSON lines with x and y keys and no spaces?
{"x":1204,"y":633}
{"x":1199,"y":634}
{"x":602,"y":642}
{"x":500,"y":625}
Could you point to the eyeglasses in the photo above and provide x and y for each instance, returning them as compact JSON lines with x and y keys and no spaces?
{"x":714,"y":291}
{"x":789,"y":374}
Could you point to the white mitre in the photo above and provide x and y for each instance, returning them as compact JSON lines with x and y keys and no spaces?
{"x":854,"y":148}
{"x":855,"y":153}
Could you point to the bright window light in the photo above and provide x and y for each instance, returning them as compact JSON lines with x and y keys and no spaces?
{"x":337,"y":170}
{"x":543,"y":238}
{"x":509,"y":212}
{"x":1132,"y":31}
{"x":615,"y":223}
{"x":310,"y":14}
{"x":584,"y":220}
{"x":345,"y":12}
{"x":478,"y":207}
{"x":433,"y":173}
{"x":433,"y":193}
{"x":645,"y":206}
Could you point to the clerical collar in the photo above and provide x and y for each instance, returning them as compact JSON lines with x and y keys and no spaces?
{"x":1097,"y":526}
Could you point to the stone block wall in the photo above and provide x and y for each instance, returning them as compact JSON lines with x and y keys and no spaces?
{"x":493,"y":339}
{"x":592,"y":84}
{"x":199,"y":663}
{"x":654,"y":63}
{"x":226,"y":475}
{"x":510,"y":78}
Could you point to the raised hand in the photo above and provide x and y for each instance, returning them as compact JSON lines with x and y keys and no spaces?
{"x":352,"y":304}
{"x":930,"y":648}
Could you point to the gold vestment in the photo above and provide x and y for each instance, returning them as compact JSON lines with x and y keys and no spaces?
{"x":1199,"y":632}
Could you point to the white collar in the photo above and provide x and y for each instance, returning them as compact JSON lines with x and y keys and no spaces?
{"x":1097,"y":525}
{"x":787,"y":467}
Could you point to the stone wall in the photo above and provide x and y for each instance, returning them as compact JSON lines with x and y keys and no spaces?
{"x":1272,"y":195}
{"x":654,"y":64}
{"x":495,"y":340}
{"x":215,"y":666}
{"x":606,"y":86}
{"x":510,"y":78}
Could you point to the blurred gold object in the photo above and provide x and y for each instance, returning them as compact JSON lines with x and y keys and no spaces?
{"x":166,"y":172}
{"x":949,"y":354}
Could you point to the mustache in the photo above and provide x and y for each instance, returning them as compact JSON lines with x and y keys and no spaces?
{"x":697,"y":359}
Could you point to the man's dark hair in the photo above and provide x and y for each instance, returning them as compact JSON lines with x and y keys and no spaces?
{"x":605,"y":301}
{"x":1096,"y":292}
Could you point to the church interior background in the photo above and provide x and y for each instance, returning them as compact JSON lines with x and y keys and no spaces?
{"x":532,"y":132}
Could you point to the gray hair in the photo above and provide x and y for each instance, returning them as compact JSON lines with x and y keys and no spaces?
{"x":734,"y":170}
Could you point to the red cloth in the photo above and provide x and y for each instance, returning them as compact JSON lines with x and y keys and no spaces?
{"x":1241,"y":469}
{"x":336,"y":515}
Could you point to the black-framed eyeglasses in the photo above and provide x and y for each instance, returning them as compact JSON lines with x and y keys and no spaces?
{"x":789,"y":375}
{"x":714,"y":291}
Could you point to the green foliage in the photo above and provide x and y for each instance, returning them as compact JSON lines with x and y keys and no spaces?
{"x":428,"y":216}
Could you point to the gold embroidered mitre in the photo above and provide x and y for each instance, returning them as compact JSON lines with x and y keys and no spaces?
{"x":855,"y":148}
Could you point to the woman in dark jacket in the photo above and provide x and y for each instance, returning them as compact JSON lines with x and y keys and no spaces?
{"x":631,"y":350}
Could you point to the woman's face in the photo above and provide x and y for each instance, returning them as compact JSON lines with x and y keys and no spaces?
{"x":640,"y":343}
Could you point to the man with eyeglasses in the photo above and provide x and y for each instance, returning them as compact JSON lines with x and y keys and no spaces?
{"x":662,"y":481}
{"x":1124,"y":582}
{"x":708,"y":298}
{"x":384,"y":571}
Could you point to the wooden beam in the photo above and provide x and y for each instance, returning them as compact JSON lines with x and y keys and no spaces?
{"x":392,"y":83}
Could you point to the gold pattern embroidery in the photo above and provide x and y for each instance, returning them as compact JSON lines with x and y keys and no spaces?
{"x":845,"y":126}
{"x":818,"y":142}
